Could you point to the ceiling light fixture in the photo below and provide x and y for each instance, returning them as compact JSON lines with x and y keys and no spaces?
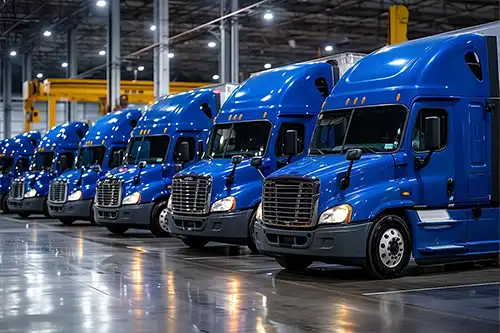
{"x":39,"y":75}
{"x":267,"y":66}
{"x":328,"y":48}
{"x":140,"y":68}
{"x":47,"y":33}
{"x":215,"y":77}
{"x":13,"y":53}
{"x":100,"y":3}
{"x":268,"y":16}
{"x":212,"y":44}
{"x":64,"y":64}
{"x":152,"y":28}
{"x":171,"y":55}
{"x":102,"y":53}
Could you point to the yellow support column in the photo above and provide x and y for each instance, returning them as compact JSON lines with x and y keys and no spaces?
{"x":51,"y":113}
{"x":398,"y":24}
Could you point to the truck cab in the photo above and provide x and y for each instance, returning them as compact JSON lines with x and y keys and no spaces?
{"x":404,"y":161}
{"x":169,"y":136}
{"x":15,"y":158}
{"x":216,"y":198}
{"x":72,"y":193}
{"x":54,"y":154}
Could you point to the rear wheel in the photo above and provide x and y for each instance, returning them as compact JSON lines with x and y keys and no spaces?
{"x":67,"y":221}
{"x":389,"y":248}
{"x":3,"y":203}
{"x":195,"y":243}
{"x":159,"y":221}
{"x":294,"y":263}
{"x":24,"y":215}
{"x":117,"y":230}
{"x":251,"y":241}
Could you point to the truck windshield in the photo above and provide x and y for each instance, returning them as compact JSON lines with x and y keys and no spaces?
{"x":247,"y":138}
{"x":152,"y":149}
{"x":6,"y":164}
{"x":42,"y":162}
{"x":90,"y":156}
{"x":372,"y":129}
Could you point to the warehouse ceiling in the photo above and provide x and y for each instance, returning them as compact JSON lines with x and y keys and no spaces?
{"x":299,"y":30}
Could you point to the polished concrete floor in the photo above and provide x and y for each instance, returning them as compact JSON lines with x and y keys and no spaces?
{"x":55,"y":278}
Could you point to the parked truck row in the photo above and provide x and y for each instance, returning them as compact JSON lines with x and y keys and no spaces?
{"x":357,"y":160}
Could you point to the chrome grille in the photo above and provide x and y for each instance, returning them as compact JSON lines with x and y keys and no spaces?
{"x":290,"y":202}
{"x":58,"y":191}
{"x":17,"y":190}
{"x":108,"y":193}
{"x":191,"y":194}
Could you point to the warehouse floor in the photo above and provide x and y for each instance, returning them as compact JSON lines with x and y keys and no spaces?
{"x":82,"y":279}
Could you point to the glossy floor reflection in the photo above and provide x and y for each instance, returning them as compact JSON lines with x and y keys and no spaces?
{"x":82,"y":279}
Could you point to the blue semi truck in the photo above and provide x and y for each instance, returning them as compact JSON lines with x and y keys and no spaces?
{"x":15,"y":158}
{"x":404,"y":161}
{"x":54,"y":154}
{"x":169,"y":136}
{"x":71,"y":194}
{"x":216,"y":199}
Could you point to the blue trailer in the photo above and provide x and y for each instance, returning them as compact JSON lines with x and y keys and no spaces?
{"x":71,"y":194}
{"x":216,"y":198}
{"x":54,"y":154}
{"x":404,"y":161}
{"x":169,"y":136}
{"x":15,"y":158}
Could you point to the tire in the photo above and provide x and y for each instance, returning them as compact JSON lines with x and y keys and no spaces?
{"x":67,"y":221}
{"x":159,"y":221}
{"x":46,"y":210}
{"x":251,"y":241}
{"x":117,"y":230}
{"x":24,"y":215}
{"x":294,"y":263}
{"x":388,"y":248}
{"x":92,"y":216}
{"x":4,"y":205}
{"x":195,"y":243}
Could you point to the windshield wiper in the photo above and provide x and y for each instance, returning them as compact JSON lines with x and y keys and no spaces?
{"x":317,"y":149}
{"x":369,"y":150}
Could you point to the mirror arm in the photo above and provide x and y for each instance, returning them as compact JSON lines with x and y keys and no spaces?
{"x":230,"y":178}
{"x":420,"y":162}
{"x":138,"y":177}
{"x":346,"y":180}
{"x":261,"y":174}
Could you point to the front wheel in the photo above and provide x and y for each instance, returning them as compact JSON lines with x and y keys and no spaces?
{"x":117,"y":230}
{"x":5,"y":206}
{"x":195,"y":243}
{"x":159,"y":221}
{"x":389,"y":248}
{"x":294,"y":263}
{"x":251,"y":240}
{"x":92,"y":216}
{"x":67,"y":221}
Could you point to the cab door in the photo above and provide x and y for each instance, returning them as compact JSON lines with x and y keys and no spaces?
{"x":439,"y":228}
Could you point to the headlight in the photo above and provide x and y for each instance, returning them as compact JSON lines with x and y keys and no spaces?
{"x":30,"y":194}
{"x":132,"y":199}
{"x":77,"y":195}
{"x":226,"y":204}
{"x":169,"y":203}
{"x":258,"y":215}
{"x":337,"y":214}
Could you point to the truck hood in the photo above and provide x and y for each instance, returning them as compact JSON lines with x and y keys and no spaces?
{"x":87,"y":185}
{"x":373,"y":173}
{"x":246,"y":180}
{"x":150,"y":174}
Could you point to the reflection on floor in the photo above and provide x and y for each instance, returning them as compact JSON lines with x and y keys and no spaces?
{"x":82,"y":279}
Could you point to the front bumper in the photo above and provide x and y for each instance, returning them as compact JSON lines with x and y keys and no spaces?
{"x":130,"y":216}
{"x":78,"y":209}
{"x":231,"y":228}
{"x":27,"y":205}
{"x":330,"y":244}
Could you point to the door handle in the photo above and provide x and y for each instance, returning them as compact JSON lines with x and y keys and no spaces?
{"x":450,"y":186}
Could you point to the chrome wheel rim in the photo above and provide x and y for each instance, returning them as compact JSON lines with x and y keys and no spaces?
{"x":391,"y":248}
{"x":163,"y":220}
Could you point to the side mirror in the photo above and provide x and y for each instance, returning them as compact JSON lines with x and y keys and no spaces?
{"x":432,"y":135}
{"x":290,"y":143}
{"x":236,"y":159}
{"x":183,"y":152}
{"x":256,"y":161}
{"x":200,"y":149}
{"x":142,"y":164}
{"x":353,"y":154}
{"x":117,"y":156}
{"x":96,"y":168}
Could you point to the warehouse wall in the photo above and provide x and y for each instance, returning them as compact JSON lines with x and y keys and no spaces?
{"x":84,"y":112}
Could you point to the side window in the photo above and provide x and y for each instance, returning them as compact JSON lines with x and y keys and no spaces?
{"x":191,"y":143}
{"x":113,"y":160}
{"x":417,"y":138}
{"x":69,"y":161}
{"x":300,"y":128}
{"x":22,"y":164}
